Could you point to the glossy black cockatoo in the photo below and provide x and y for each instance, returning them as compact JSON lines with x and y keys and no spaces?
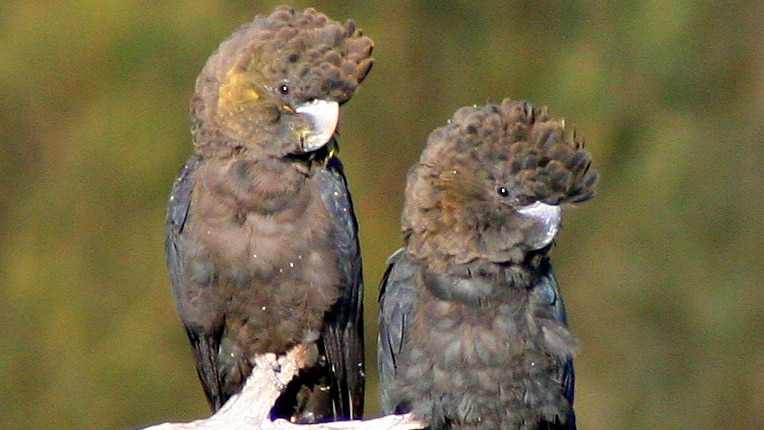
{"x":473,"y":333}
{"x":262,"y":242}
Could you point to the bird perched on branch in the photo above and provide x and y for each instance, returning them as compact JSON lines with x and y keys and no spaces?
{"x":473,"y":333}
{"x":261,"y":240}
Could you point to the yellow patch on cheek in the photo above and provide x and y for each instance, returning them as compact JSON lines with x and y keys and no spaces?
{"x":250,"y":95}
{"x":237,"y":91}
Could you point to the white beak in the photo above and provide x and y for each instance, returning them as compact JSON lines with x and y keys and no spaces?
{"x":547,"y":223}
{"x":325,"y":115}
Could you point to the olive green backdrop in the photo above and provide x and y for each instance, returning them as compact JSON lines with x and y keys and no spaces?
{"x":662,"y":272}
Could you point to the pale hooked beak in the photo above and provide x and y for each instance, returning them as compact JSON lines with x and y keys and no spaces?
{"x":547,"y":223}
{"x":324,"y":114}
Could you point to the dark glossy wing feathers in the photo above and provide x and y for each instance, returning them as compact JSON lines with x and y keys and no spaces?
{"x":205,"y":345}
{"x":342,"y":336}
{"x":550,"y":289}
{"x":397,"y":299}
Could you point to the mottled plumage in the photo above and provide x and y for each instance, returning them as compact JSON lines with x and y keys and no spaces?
{"x":262,"y":242}
{"x":473,"y":333}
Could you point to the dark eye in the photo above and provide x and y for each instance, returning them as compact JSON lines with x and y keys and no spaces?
{"x":284,"y":89}
{"x":502,"y":191}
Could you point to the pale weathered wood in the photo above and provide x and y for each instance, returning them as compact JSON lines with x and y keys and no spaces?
{"x":250,"y":409}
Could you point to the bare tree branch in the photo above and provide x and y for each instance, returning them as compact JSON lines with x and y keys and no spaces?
{"x":250,"y":409}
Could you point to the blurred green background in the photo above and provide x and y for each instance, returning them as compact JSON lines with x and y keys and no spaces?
{"x":662,"y":272}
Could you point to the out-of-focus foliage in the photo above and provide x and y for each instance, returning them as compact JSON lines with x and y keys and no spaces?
{"x":662,"y":271}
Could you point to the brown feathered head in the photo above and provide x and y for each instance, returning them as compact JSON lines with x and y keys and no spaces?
{"x":489,"y":183}
{"x":285,"y":63}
